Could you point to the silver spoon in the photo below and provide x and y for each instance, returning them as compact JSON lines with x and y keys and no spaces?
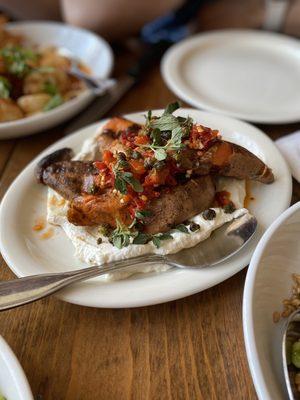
{"x":223,"y":243}
{"x":291,"y":335}
{"x":99,"y":86}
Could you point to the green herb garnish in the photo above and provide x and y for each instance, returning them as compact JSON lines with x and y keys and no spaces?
{"x":121,"y":236}
{"x":181,"y":228}
{"x":124,"y":178}
{"x":171,"y":107}
{"x":142,"y":238}
{"x":170,"y":127}
{"x":142,"y":214}
{"x":160,"y":154}
{"x":17,"y":59}
{"x":5,"y":88}
{"x":157,"y":239}
{"x":54,"y":102}
{"x":50,"y":88}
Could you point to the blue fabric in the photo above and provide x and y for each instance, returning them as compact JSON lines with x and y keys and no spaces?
{"x":163,"y":28}
{"x":173,"y":26}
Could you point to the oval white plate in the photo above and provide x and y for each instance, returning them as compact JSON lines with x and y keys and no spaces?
{"x":268,"y":282}
{"x":27,"y":254}
{"x":86,"y":46}
{"x":245,"y":74}
{"x":13,"y":382}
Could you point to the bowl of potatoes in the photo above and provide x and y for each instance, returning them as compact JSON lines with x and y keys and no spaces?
{"x":37,"y":90}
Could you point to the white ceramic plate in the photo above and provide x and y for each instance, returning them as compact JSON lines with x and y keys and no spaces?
{"x":27,"y":254}
{"x":13,"y":382}
{"x":250,"y":75}
{"x":86,"y":46}
{"x":269,"y":281}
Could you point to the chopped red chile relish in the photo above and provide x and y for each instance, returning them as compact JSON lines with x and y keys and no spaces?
{"x":150,"y":159}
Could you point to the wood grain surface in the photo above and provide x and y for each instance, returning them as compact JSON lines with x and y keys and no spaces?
{"x":187,"y":349}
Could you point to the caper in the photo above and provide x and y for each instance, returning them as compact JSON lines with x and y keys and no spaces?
{"x":136,"y":155}
{"x":194,"y":227}
{"x":99,"y":240}
{"x":229,"y":208}
{"x":209,"y":214}
{"x":148,"y":163}
{"x":166,"y":135}
{"x":121,"y":156}
{"x":181,"y":178}
{"x":139,"y":226}
{"x":159,"y":165}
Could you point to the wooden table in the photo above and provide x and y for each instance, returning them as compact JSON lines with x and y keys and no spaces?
{"x":192,"y":348}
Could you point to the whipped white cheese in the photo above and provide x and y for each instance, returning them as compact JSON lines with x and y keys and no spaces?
{"x":84,"y":239}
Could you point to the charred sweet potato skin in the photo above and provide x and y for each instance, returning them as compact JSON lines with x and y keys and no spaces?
{"x":232,"y":160}
{"x":227,"y":159}
{"x":69,"y":178}
{"x":180,"y":204}
{"x":64,"y":154}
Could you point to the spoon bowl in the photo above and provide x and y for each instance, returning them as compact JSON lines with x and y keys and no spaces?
{"x":99,"y":86}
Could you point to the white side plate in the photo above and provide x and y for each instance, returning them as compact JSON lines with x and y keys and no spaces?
{"x":13,"y":382}
{"x":249,"y":75}
{"x":27,"y":254}
{"x":86,"y":46}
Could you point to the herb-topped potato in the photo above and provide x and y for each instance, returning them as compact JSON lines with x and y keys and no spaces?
{"x":149,"y":181}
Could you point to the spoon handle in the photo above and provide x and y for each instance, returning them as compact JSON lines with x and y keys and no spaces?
{"x":21,"y":291}
{"x":99,"y":85}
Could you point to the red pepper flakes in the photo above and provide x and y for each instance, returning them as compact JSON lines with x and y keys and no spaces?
{"x":201,"y":137}
{"x":222,"y":198}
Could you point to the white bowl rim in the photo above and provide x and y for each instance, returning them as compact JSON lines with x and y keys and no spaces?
{"x":248,"y":327}
{"x":16,"y":371}
{"x":99,"y":38}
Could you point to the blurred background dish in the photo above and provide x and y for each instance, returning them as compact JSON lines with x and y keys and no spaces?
{"x":94,"y":52}
{"x":13,"y":382}
{"x":269,"y":281}
{"x":240,"y":73}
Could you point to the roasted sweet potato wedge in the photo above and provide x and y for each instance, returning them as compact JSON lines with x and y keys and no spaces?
{"x":64,"y":154}
{"x":108,"y":138}
{"x":69,"y":178}
{"x":179,"y":204}
{"x":91,"y":210}
{"x":227,"y":159}
{"x":172,"y":207}
{"x":222,"y":158}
